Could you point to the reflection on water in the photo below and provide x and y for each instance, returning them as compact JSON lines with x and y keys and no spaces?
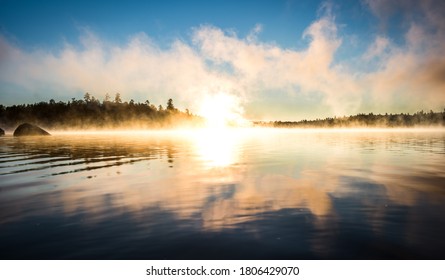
{"x":242,"y":193}
{"x":216,"y":147}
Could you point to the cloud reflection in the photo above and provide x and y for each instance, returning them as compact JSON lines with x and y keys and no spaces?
{"x":224,"y":181}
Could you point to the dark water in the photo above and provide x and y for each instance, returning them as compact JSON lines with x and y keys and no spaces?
{"x":240,"y":194}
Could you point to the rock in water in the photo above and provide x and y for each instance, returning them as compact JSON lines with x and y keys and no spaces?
{"x":26,"y":129}
{"x":2,"y":132}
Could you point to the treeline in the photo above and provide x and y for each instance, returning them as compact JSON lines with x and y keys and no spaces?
{"x":93,"y":113}
{"x":419,"y":119}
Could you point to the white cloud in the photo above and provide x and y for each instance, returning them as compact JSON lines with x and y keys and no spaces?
{"x":260,"y":67}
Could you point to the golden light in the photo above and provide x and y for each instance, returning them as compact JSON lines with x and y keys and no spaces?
{"x":217,"y":148}
{"x":222,"y":110}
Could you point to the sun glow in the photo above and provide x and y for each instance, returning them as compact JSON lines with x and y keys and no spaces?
{"x":219,"y":148}
{"x":216,"y":150}
{"x":222,"y":110}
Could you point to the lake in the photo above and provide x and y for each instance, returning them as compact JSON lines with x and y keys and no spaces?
{"x":224,"y":194}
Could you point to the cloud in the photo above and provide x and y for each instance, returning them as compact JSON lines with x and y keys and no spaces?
{"x":260,"y":67}
{"x":412,"y":72}
{"x":138,"y":66}
{"x":377,"y":48}
{"x":407,"y":76}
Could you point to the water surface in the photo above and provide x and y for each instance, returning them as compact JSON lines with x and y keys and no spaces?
{"x":235,"y":194}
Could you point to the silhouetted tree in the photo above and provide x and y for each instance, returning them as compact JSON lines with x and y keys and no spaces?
{"x":87,"y":97}
{"x":170,"y":106}
{"x":117,"y":98}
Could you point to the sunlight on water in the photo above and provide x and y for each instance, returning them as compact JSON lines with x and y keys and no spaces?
{"x":283,"y":193}
{"x":218,"y":147}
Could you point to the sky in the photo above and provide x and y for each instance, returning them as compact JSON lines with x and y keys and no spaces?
{"x":275,"y":60}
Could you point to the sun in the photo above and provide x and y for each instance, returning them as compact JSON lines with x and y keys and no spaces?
{"x":221,"y":110}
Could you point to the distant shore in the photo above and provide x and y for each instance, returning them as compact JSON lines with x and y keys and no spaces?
{"x":90,"y":113}
{"x":419,"y":119}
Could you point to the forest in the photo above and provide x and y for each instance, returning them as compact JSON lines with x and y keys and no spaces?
{"x":90,"y":112}
{"x":418,"y":119}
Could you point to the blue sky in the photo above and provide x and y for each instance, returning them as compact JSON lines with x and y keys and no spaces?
{"x":48,"y":22}
{"x":336,"y":57}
